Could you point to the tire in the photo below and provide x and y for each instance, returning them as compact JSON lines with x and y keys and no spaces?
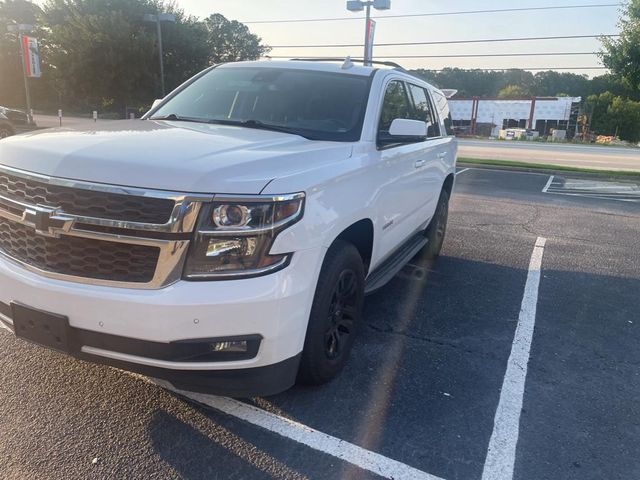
{"x":335,"y":315}
{"x":437,"y":229}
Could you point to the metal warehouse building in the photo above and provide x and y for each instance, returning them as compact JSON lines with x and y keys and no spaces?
{"x":487,"y":116}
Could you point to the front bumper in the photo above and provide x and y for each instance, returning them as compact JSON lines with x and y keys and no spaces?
{"x":137,"y":330}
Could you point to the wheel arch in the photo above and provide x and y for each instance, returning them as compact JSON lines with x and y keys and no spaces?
{"x":360,"y":234}
{"x":448,"y":184}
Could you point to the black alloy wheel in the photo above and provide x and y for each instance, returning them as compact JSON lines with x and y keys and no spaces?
{"x":437,"y":229}
{"x":335,"y":315}
{"x":343,"y":313}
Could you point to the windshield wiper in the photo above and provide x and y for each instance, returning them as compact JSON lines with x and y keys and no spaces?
{"x":177,"y":118}
{"x":258,"y":125}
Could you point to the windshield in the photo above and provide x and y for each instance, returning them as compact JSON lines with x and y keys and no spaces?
{"x":316,"y":105}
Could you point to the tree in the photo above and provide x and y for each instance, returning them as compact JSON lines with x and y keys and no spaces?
{"x":231,"y":41}
{"x":551,"y":84}
{"x":514,"y":91}
{"x":100,"y":54}
{"x":612,"y":115}
{"x":102,"y":51}
{"x":614,"y":84}
{"x":622,"y":55}
{"x":480,"y":83}
{"x":186,"y":51}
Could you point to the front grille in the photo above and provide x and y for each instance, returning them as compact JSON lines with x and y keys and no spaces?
{"x":81,"y":257}
{"x":87,"y":203}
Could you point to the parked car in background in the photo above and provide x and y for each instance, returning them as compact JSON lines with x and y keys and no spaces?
{"x":14,"y":121}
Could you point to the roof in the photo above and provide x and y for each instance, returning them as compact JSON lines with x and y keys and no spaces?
{"x":335,"y":67}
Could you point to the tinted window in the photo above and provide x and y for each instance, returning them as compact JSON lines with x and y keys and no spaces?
{"x":445,"y":113}
{"x":318,"y":105}
{"x":396,"y":105}
{"x":423,"y":110}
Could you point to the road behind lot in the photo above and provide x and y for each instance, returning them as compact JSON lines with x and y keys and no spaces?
{"x":425,"y":379}
{"x":583,"y":156}
{"x":52,"y":121}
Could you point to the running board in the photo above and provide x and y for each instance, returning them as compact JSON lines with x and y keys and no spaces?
{"x":390,"y":267}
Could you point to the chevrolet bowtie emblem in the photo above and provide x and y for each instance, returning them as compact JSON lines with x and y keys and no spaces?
{"x":47,"y":221}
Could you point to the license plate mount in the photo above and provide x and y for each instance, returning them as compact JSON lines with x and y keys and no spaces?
{"x":42,"y":328}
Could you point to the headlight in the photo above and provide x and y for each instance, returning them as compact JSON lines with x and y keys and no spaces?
{"x":234,"y":236}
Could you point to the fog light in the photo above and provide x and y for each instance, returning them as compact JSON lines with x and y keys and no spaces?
{"x":240,"y":346}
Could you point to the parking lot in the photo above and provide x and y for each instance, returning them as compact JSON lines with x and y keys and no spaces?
{"x":537,"y":269}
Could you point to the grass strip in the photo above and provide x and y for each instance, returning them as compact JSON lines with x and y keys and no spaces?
{"x":545,"y":167}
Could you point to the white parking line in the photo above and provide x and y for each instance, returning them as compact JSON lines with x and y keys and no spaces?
{"x":501,"y":454}
{"x":462,"y":171}
{"x":365,"y":459}
{"x":546,"y":187}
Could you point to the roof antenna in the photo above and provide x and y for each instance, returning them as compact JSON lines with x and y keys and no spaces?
{"x":347,"y":63}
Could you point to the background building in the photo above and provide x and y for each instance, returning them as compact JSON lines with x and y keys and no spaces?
{"x":487,"y":116}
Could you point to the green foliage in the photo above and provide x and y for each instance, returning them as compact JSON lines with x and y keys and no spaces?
{"x":395,"y":105}
{"x":481,"y":83}
{"x":514,"y":91}
{"x":614,"y":115}
{"x":100,"y":54}
{"x":550,"y":84}
{"x":622,"y":55}
{"x":231,"y":41}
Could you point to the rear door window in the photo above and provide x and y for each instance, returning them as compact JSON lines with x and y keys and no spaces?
{"x":423,"y":110}
{"x":445,"y":113}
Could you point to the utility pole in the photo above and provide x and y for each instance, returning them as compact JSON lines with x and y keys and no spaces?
{"x":358,"y":6}
{"x":158,"y":18}
{"x":367,"y":36}
{"x":20,"y":30}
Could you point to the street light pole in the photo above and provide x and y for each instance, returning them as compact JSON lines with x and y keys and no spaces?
{"x":358,"y":6}
{"x":19,"y":29}
{"x":367,"y":36}
{"x":158,"y":18}
{"x":159,"y":26}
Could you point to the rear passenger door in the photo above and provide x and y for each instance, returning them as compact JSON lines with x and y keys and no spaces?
{"x":430,"y":170}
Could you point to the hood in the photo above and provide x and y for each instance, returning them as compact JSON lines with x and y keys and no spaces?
{"x":174,"y":156}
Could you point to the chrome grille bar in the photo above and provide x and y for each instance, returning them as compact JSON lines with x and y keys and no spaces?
{"x":50,"y":221}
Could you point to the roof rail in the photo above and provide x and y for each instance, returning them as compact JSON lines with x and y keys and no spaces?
{"x":342,"y":59}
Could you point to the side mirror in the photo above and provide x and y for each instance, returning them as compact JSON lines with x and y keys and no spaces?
{"x":156,"y":102}
{"x":403,"y":130}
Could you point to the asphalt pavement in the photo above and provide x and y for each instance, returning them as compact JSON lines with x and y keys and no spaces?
{"x":597,"y":157}
{"x":425,"y":392}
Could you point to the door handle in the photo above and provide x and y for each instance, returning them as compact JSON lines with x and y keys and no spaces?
{"x":442,"y":155}
{"x":420,"y":163}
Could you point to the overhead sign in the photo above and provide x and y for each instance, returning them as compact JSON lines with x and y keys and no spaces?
{"x":371,"y":33}
{"x":31,"y":52}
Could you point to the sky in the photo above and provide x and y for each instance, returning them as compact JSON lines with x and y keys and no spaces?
{"x":589,"y":21}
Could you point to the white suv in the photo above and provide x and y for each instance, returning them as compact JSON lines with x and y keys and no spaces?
{"x":226,"y":241}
